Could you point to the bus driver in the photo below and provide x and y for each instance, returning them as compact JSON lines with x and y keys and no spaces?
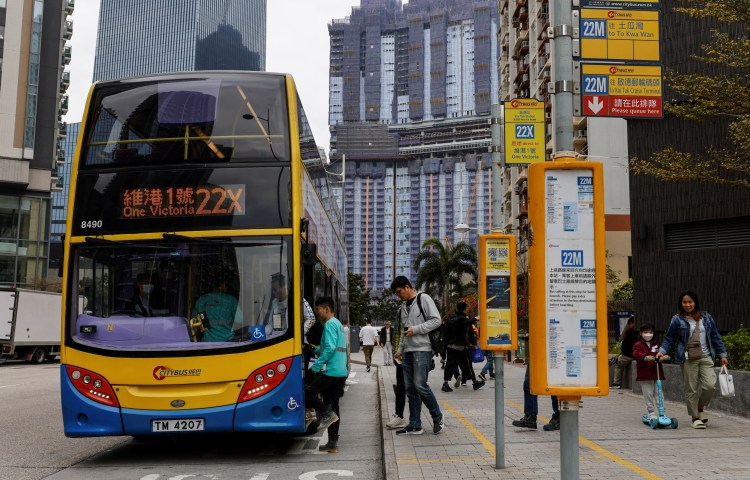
{"x":222,"y":311}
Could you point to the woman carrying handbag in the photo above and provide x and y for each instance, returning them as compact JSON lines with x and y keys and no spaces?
{"x":696,"y":341}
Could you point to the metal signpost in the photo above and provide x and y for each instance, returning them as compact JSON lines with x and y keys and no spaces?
{"x":497,"y":316}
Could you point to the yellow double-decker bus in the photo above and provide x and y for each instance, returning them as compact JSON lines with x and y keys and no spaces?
{"x":201,"y":227}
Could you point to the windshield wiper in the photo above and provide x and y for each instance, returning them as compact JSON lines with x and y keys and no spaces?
{"x":102,"y":241}
{"x":185,"y":238}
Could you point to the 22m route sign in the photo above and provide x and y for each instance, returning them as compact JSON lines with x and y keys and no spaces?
{"x":618,"y":90}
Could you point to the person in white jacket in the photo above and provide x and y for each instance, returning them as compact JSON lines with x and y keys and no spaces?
{"x":419,"y":316}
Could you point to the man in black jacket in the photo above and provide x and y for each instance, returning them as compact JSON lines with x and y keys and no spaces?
{"x":387,"y":342}
{"x":456,"y":336}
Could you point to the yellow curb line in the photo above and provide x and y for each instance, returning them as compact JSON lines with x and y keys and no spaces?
{"x":490,"y":447}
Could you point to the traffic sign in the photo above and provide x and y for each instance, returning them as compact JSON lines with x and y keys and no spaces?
{"x":497,"y":292}
{"x":620,"y":35}
{"x":524,"y":131}
{"x":619,"y":90}
{"x":639,"y":4}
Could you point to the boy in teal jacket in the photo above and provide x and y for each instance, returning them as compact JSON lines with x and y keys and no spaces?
{"x":330,"y":373}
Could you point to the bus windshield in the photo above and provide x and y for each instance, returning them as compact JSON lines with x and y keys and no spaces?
{"x":205,"y":118}
{"x":182,"y":295}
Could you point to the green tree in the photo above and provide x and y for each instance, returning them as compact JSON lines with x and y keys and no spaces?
{"x":359,"y":299}
{"x":702,"y":96}
{"x":623,"y":291}
{"x":440,"y":267}
{"x":613,"y":277}
{"x":385,"y":307}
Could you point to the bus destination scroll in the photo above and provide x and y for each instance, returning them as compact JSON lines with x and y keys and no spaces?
{"x":167,"y":202}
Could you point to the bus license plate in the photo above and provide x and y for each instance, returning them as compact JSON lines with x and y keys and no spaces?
{"x":178,"y":425}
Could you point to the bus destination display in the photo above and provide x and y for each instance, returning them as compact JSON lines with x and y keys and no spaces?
{"x":171,"y":201}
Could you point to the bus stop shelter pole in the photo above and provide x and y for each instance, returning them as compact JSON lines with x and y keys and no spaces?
{"x":497,"y":226}
{"x":499,"y":409}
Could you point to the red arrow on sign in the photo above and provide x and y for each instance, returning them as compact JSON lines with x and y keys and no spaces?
{"x":594,"y":105}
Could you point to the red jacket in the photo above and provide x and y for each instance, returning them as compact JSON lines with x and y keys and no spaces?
{"x":646,"y":370}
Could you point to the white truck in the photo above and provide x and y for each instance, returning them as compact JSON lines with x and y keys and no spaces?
{"x":29,"y":324}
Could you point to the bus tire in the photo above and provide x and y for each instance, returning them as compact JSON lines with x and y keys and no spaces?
{"x":39,"y":355}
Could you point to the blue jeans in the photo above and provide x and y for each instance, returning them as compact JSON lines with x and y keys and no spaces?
{"x":416,"y":366}
{"x":530,"y":405}
{"x":489,"y":366}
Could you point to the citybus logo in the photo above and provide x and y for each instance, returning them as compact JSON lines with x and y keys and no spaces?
{"x":160,"y":373}
{"x":614,"y":70}
{"x":614,"y":14}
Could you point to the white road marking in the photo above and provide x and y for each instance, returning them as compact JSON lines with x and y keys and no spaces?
{"x":314,"y":475}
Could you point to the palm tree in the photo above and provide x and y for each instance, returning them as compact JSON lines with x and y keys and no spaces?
{"x":439,"y":267}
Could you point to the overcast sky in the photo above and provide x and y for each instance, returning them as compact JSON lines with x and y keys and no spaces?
{"x":296,"y":43}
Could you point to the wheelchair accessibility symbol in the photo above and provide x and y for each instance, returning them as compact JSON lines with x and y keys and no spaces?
{"x":258,"y":333}
{"x":292,"y":405}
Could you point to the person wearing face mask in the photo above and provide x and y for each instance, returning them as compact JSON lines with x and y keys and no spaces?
{"x":141,"y":302}
{"x":644,"y":354}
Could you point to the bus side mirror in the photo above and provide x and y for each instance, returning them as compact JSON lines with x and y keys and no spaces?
{"x":309,"y":254}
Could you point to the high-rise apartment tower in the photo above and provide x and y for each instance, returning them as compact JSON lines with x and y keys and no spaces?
{"x":410,"y":93}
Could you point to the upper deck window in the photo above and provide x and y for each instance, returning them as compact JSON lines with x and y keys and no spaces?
{"x":215,"y":118}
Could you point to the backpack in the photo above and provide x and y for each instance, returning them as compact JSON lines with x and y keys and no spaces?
{"x":436,"y":339}
{"x":450,"y":330}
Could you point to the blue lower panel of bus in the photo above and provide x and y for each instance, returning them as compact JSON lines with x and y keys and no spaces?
{"x":83,"y":417}
{"x":280,"y":410}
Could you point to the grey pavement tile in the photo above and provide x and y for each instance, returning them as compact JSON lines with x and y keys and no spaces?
{"x":611,"y":423}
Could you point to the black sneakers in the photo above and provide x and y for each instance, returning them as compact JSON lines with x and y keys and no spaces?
{"x":615,"y":386}
{"x":525,"y":422}
{"x":478,"y":385}
{"x":446,"y":388}
{"x":407,"y":430}
{"x":554,"y":424}
{"x":437,"y":425}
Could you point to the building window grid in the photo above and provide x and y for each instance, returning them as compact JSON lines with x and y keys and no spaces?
{"x":467,"y":68}
{"x":427,"y":75}
{"x":387,"y":77}
{"x":33,"y":81}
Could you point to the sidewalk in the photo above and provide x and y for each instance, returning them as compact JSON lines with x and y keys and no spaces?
{"x":614,"y":444}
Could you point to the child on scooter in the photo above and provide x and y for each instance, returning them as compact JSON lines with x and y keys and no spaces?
{"x":644,"y":353}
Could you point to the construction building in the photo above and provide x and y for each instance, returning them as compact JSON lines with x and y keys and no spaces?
{"x":411,"y":87}
{"x":33,"y":54}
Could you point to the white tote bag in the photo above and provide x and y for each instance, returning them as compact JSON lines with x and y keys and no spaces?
{"x":726,"y":382}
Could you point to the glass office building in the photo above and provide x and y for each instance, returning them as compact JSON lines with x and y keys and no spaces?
{"x":140,"y":37}
{"x":32,"y":59}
